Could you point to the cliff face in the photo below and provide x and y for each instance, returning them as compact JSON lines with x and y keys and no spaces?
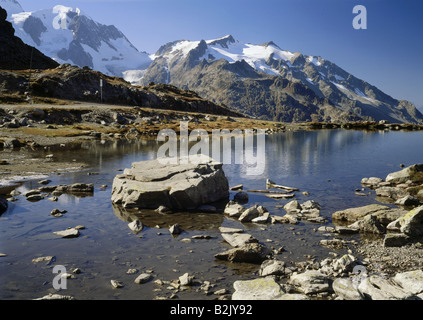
{"x":16,"y":55}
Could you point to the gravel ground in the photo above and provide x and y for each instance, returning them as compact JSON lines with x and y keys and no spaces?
{"x":390,"y":260}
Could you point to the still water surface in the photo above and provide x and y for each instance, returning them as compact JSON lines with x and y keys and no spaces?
{"x":329,"y":164}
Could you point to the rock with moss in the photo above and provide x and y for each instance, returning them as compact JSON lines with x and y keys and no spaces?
{"x":412,"y":223}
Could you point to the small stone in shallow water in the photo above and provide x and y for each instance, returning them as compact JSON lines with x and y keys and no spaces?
{"x":175,"y":229}
{"x":136,"y":226}
{"x":68,"y":233}
{"x":48,"y":259}
{"x":143,"y":278}
{"x":116,"y":284}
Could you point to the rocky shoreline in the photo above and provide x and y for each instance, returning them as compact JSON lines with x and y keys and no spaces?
{"x":374,"y":269}
{"x":389,"y":269}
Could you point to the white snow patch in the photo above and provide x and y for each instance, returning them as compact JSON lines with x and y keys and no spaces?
{"x":255,"y":55}
{"x":133,"y":76}
{"x":311,"y":81}
{"x":314,"y":60}
{"x":356,"y":95}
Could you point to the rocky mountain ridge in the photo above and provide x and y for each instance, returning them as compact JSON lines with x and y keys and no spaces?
{"x":270,"y":83}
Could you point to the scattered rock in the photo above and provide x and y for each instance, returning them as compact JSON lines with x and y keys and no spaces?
{"x":238,"y":239}
{"x":393,"y":193}
{"x":293,"y":206}
{"x":143,"y":278}
{"x":408,"y":201}
{"x":44,"y":182}
{"x":241,"y":197}
{"x":116,"y":284}
{"x":201,"y":237}
{"x":252,"y":213}
{"x":263,"y":218}
{"x":136,"y":226}
{"x":234,"y":209}
{"x":186,"y":280}
{"x":68,"y":233}
{"x":258,"y":289}
{"x":52,"y":296}
{"x":175,"y":229}
{"x":310,"y":282}
{"x":272,"y":267}
{"x":48,"y":259}
{"x":164,"y":210}
{"x":57,"y":213}
{"x":378,"y":288}
{"x":230,"y":230}
{"x":345,"y":289}
{"x":368,"y":224}
{"x":251,"y":252}
{"x":372,"y":182}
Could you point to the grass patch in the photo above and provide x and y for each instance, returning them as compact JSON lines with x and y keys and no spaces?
{"x":59,"y":132}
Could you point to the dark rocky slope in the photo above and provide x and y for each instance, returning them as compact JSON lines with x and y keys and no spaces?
{"x":16,"y":55}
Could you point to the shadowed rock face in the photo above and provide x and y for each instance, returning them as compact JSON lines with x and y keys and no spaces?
{"x":150,"y":184}
{"x":14,"y":54}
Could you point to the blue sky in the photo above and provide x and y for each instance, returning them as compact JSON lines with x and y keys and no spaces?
{"x":389,"y":54}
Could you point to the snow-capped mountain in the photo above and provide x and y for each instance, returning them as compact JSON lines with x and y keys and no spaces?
{"x":267,"y":81}
{"x":260,"y":80}
{"x":69,"y":35}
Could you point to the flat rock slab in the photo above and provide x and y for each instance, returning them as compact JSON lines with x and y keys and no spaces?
{"x":383,"y":213}
{"x":354,"y":214}
{"x":410,"y":281}
{"x":184,"y":186}
{"x":68,"y":233}
{"x":238,"y":239}
{"x":345,"y":289}
{"x":310,"y":282}
{"x":258,"y":289}
{"x":378,"y":288}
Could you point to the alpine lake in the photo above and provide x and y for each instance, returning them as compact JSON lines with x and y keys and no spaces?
{"x":327,"y":165}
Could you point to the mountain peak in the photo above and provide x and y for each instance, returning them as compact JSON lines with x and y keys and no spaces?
{"x":271,"y":43}
{"x":224,"y":42}
{"x":11,"y":6}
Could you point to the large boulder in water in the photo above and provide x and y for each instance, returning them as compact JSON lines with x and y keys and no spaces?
{"x":183,"y":186}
